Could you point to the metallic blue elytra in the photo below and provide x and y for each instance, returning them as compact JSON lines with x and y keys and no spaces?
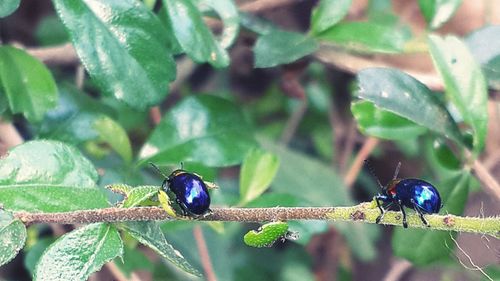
{"x":190,"y":191}
{"x":416,"y":194}
{"x":419,"y":193}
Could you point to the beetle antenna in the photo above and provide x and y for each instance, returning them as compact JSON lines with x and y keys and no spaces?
{"x":158,"y":170}
{"x":372,"y":173}
{"x":182,"y":165}
{"x":397,"y":171}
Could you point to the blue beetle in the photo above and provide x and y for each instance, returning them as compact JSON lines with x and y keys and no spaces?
{"x":417,"y":194}
{"x":191,"y":192}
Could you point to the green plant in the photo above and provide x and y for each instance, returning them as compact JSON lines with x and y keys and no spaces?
{"x":88,"y":142}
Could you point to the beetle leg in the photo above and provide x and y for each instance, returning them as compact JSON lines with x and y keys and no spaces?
{"x":164,"y":185}
{"x":382,"y":211}
{"x":420,"y":214}
{"x":405,"y":223}
{"x":207,"y":213}
{"x":183,"y":207}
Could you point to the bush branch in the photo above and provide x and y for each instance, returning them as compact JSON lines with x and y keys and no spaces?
{"x":365,"y":212}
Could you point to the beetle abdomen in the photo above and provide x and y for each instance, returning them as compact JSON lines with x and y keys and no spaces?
{"x":424,"y":194}
{"x":191,"y":191}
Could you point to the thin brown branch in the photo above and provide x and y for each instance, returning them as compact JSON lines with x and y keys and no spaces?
{"x":155,"y":115}
{"x":397,"y":269}
{"x":263,"y":5}
{"x":9,"y":136}
{"x":353,"y":64}
{"x":490,"y":183}
{"x":336,"y":126}
{"x":357,"y":164}
{"x":115,"y":271}
{"x":55,"y":55}
{"x":204,"y":255}
{"x":80,"y":76}
{"x":293,"y":122}
{"x":350,"y":133}
{"x":365,"y":212}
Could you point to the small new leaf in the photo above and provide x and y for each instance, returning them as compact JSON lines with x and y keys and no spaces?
{"x":257,"y":173}
{"x":165,"y":203}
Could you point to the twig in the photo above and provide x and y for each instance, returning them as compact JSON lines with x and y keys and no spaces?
{"x":185,"y":67}
{"x":489,"y":181}
{"x":335,"y":128}
{"x":293,"y":122}
{"x":79,"y":76}
{"x":353,"y":64}
{"x":349,"y":142}
{"x":398,"y":268}
{"x":115,"y":271}
{"x":262,"y":5}
{"x":155,"y":115}
{"x":9,"y":135}
{"x":357,"y":164}
{"x":204,"y":256}
{"x":365,"y":212}
{"x":62,"y":54}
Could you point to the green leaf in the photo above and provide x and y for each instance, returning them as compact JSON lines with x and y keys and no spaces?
{"x":383,"y":124}
{"x":257,"y":24}
{"x":35,"y":252}
{"x":319,"y":95}
{"x":394,"y":91}
{"x":493,"y":272}
{"x":50,"y":198}
{"x":28,"y":85}
{"x":123,"y":46}
{"x":193,"y":35}
{"x":13,"y":235}
{"x":48,"y":176}
{"x":464,"y":83}
{"x":327,"y":13}
{"x":282,"y":47}
{"x":437,"y":12}
{"x":51,"y":31}
{"x":257,"y":173}
{"x":7,"y":7}
{"x":444,"y":156}
{"x":79,"y":253}
{"x":488,"y":55}
{"x":172,"y":44}
{"x":150,"y":234}
{"x":48,"y":162}
{"x":318,"y":185}
{"x":322,"y":139}
{"x":228,"y":13}
{"x":111,"y":132}
{"x":204,"y":129}
{"x":430,"y":246}
{"x":79,"y":118}
{"x":139,"y":195}
{"x":4,"y":105}
{"x":367,"y":37}
{"x":133,"y":260}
